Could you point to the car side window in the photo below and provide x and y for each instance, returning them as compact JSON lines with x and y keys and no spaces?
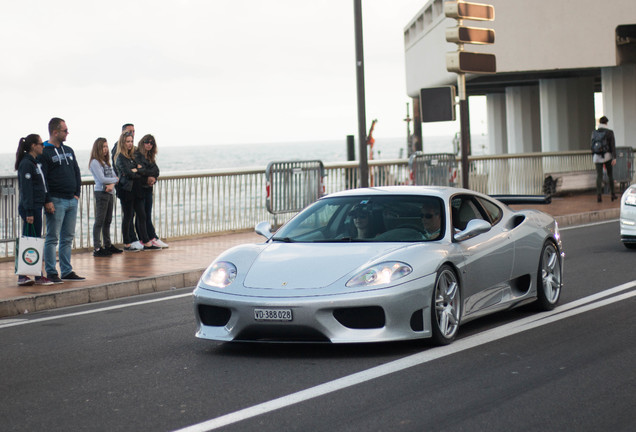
{"x":492,"y":210}
{"x":464,"y":209}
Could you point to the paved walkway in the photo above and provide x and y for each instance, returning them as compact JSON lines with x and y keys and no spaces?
{"x":183,"y":262}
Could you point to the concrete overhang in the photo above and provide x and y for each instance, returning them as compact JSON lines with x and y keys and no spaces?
{"x":539,"y":39}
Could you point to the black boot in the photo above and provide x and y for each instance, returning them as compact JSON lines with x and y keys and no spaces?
{"x":599,"y":199}
{"x":614,"y":197}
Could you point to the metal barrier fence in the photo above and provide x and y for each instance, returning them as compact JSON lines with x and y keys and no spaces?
{"x":293,"y":185}
{"x":198,"y":204}
{"x":438,"y":169}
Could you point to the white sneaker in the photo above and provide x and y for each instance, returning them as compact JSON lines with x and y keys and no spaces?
{"x":137,"y":245}
{"x":161,"y":244}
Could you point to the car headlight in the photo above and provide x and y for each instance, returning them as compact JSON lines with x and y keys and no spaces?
{"x":380,"y":274}
{"x":220,"y":274}
{"x":630,"y":199}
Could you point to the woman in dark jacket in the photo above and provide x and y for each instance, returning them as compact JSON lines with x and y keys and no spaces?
{"x":33,"y":194}
{"x":145,"y":156}
{"x":130,"y":192}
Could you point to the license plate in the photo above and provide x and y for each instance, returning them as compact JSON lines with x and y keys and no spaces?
{"x":262,"y":314}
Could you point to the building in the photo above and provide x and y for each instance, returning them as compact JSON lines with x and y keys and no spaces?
{"x":552,"y":56}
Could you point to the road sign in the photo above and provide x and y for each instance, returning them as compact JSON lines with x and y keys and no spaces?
{"x":471,"y":35}
{"x":469,"y":11}
{"x":470,"y":62}
{"x":437,"y":104}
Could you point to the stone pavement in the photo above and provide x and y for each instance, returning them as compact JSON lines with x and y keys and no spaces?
{"x":182,"y":264}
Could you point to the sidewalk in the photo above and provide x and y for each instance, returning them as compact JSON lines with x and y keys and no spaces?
{"x":182,"y":264}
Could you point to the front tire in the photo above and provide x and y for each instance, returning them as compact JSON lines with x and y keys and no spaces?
{"x":446,"y":306}
{"x":549,"y":278}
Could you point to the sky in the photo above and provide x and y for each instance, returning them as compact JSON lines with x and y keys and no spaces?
{"x":203,"y":72}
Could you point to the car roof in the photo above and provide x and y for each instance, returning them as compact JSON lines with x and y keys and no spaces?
{"x":443,"y":192}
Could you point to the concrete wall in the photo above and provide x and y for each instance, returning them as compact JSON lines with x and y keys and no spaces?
{"x":535,"y":35}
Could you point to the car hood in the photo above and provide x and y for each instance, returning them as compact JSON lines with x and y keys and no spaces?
{"x":311,"y":265}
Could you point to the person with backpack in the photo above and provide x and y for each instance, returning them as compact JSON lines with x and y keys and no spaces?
{"x":604,"y":150}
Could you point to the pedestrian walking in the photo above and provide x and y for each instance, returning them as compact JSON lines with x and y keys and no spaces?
{"x":604,"y":150}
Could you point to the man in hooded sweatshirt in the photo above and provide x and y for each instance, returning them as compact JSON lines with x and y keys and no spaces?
{"x":63,"y":178}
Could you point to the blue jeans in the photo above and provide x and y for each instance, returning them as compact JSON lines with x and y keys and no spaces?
{"x":60,"y":228}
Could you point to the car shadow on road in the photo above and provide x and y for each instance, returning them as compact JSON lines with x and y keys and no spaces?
{"x":378,"y":350}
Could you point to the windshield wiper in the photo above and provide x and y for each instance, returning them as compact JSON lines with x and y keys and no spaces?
{"x":340,"y":240}
{"x":283,"y":239}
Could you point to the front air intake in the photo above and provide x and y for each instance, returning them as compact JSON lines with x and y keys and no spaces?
{"x":214,"y":315}
{"x":368,"y":317}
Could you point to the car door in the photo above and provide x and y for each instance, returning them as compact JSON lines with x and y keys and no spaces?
{"x":488,"y":257}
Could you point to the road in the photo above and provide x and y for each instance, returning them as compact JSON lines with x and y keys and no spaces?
{"x":134,"y":365}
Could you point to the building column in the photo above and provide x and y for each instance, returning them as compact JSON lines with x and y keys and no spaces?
{"x":619,"y":102}
{"x":567,"y":113}
{"x":523,"y":119}
{"x":497,"y":127}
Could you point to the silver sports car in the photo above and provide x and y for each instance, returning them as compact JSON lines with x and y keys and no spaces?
{"x":382,"y":264}
{"x":628,"y":217}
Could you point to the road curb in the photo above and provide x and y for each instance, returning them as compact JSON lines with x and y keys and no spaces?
{"x":73,"y":297}
{"x":588,"y":217}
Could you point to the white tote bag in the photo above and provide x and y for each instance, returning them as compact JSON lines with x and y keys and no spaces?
{"x":28,"y":256}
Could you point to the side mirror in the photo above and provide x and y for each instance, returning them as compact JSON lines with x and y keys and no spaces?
{"x":264,"y":229}
{"x":474,"y":228}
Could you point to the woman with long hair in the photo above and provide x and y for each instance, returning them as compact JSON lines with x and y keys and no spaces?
{"x":105,"y":181}
{"x":130,"y":194}
{"x":146,"y":156}
{"x":33,"y":194}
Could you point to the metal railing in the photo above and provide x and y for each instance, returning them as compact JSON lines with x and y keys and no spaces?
{"x":195,"y":204}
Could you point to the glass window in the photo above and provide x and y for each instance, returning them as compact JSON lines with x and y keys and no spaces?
{"x":386,"y":218}
{"x":493,"y":211}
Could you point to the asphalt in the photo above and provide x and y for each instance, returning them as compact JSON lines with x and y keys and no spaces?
{"x":181,"y":265}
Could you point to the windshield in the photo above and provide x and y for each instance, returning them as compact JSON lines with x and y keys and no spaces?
{"x":391,"y":218}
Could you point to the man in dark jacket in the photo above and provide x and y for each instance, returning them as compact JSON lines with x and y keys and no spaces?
{"x":607,"y":158}
{"x":62,"y":174}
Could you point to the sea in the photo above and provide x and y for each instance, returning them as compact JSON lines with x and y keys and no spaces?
{"x":181,"y":159}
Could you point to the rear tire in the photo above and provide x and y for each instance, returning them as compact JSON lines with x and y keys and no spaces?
{"x":549,"y":277}
{"x":630,"y":245}
{"x":446,"y":306}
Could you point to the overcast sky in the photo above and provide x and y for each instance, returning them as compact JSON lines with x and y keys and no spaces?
{"x":201,"y":71}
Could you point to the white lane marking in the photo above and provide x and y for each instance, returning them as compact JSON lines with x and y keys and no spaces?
{"x":588,"y":224}
{"x":17,"y":322}
{"x":528,"y":323}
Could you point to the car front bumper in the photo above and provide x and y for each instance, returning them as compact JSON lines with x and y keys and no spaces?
{"x":396,"y":313}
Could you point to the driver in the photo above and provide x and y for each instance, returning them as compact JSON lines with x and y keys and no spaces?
{"x":431,"y":220}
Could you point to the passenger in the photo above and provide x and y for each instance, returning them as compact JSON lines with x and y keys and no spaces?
{"x":64,"y":182}
{"x":146,"y":157}
{"x":130,"y":183}
{"x":105,"y":180}
{"x":362,"y":220}
{"x":33,"y":194}
{"x":431,"y":220}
